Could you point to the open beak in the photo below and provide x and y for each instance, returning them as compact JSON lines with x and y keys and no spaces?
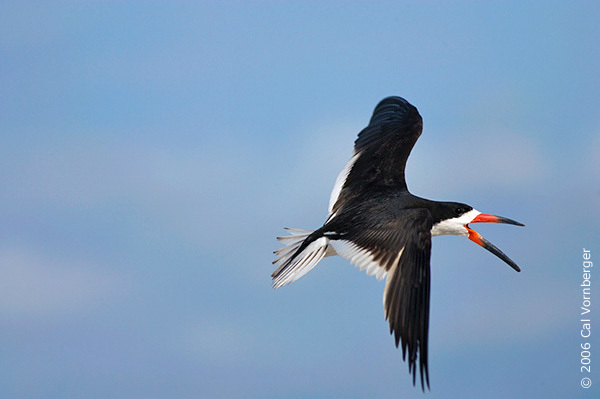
{"x":479,"y":240}
{"x":485,"y":218}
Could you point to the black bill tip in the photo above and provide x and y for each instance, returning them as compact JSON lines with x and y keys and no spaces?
{"x":479,"y":240}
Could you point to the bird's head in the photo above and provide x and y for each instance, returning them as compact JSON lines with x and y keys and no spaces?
{"x":453,"y":218}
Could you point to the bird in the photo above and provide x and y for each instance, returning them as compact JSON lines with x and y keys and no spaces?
{"x":383,"y":229}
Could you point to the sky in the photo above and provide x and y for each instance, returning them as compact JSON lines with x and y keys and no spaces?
{"x":151,"y":152}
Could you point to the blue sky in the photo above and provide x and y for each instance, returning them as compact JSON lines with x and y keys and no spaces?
{"x":152,"y":152}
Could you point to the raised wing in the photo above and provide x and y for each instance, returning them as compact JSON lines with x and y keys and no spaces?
{"x":380,"y":153}
{"x":399,"y":248}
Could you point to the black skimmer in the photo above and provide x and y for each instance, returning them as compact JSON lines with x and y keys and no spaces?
{"x":379,"y":226}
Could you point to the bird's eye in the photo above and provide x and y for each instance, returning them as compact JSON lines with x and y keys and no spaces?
{"x":459,"y":211}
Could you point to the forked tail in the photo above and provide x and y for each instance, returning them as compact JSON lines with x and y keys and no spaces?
{"x":302,"y":251}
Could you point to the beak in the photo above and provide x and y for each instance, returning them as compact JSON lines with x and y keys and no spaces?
{"x":479,"y":240}
{"x":485,"y":218}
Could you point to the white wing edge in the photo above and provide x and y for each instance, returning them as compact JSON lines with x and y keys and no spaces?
{"x":341,"y":180}
{"x":388,"y":280}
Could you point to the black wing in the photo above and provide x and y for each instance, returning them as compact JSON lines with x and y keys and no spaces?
{"x":381,"y":151}
{"x":398,"y":246}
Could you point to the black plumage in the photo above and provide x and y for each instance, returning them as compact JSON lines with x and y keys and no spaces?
{"x":378,"y":225}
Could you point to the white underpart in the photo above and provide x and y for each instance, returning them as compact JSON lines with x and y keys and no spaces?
{"x":360,"y":257}
{"x":455,"y":226}
{"x":320,"y":248}
{"x":340,"y":181}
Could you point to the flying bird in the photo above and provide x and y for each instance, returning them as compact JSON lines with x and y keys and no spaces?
{"x":383,"y":229}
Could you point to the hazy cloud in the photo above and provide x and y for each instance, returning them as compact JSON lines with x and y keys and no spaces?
{"x":38,"y":285}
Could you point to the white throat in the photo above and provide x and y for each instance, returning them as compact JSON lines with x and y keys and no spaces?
{"x":454,"y":226}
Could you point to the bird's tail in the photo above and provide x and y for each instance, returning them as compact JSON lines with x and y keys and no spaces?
{"x":302,"y":251}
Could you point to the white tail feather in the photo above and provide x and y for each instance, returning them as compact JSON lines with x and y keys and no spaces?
{"x":292,"y":268}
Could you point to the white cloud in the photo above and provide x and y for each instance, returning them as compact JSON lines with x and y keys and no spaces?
{"x":32,"y":284}
{"x":499,"y":159}
{"x":322,"y":154}
{"x":509,"y":310}
{"x":453,"y":163}
{"x":217,"y":342}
